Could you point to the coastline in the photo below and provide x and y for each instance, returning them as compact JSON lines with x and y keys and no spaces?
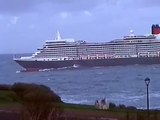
{"x":11,"y":107}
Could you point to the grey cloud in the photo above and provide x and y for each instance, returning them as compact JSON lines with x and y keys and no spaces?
{"x":21,"y":6}
{"x":16,"y":6}
{"x":79,"y":5}
{"x":152,"y":2}
{"x":147,"y":3}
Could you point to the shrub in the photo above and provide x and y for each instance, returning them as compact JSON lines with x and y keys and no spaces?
{"x":5,"y":87}
{"x":20,"y":88}
{"x":112,"y":105}
{"x":8,"y":96}
{"x":121,"y":106}
{"x":14,"y":96}
{"x":27,"y":91}
{"x":131,"y":108}
{"x":39,"y":101}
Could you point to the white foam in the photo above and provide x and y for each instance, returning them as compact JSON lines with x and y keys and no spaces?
{"x":76,"y":66}
{"x":75,"y":101}
{"x":62,"y":68}
{"x":43,"y":70}
{"x":18,"y":71}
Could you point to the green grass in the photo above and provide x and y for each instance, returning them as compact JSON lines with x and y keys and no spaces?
{"x":8,"y":98}
{"x":91,"y":108}
{"x":122,"y":114}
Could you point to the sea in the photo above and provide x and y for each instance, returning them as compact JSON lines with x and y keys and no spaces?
{"x":118,"y":84}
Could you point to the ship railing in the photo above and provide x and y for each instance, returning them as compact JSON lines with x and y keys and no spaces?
{"x":104,"y":56}
{"x":16,"y":56}
{"x":22,"y":58}
{"x":148,"y":54}
{"x":51,"y":58}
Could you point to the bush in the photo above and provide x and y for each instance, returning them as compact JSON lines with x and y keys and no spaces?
{"x":112,"y":105}
{"x":121,"y":106}
{"x":23,"y":90}
{"x":5,"y":87}
{"x":8,"y":96}
{"x":14,"y":96}
{"x":20,"y":88}
{"x":39,"y":101}
{"x":131,"y":108}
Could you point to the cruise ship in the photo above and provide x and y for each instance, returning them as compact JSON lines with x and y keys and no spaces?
{"x":129,"y":50}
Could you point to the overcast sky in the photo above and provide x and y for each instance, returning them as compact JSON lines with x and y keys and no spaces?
{"x":26,"y":24}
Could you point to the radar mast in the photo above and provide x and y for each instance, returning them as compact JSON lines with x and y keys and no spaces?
{"x":131,"y":33}
{"x":58,"y":36}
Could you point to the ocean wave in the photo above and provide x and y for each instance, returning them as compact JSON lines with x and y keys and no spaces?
{"x":18,"y":71}
{"x":127,"y":97}
{"x":135,"y":98}
{"x":25,"y":70}
{"x":44,"y":70}
{"x":154,"y":95}
{"x":75,"y":101}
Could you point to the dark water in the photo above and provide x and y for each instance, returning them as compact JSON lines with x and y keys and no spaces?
{"x":121,"y":84}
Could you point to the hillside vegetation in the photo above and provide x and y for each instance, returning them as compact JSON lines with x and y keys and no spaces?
{"x":39,"y":102}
